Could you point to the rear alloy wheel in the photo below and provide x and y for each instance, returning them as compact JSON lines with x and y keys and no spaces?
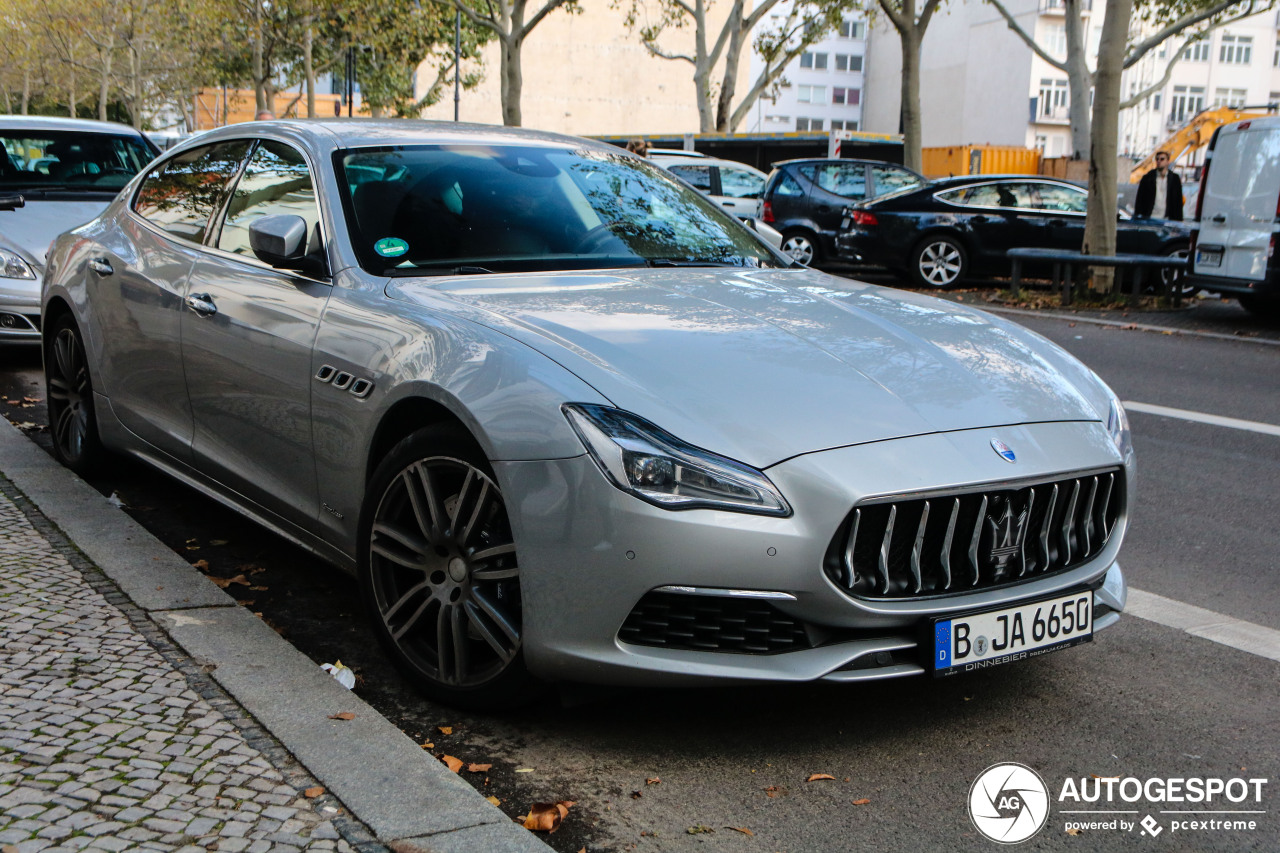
{"x":440,"y":575}
{"x":939,"y":262}
{"x":72,"y":422}
{"x":802,"y":247}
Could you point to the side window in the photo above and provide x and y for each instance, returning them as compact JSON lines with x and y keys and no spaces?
{"x":739,"y":183}
{"x":1062,"y":198}
{"x":275,"y":181}
{"x":181,"y":195}
{"x":847,"y":180}
{"x":697,"y":176}
{"x":788,"y":186}
{"x":998,"y":195}
{"x":952,"y":196}
{"x":888,"y":179}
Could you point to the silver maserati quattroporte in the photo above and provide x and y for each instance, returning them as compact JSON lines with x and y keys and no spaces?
{"x":568,"y":421}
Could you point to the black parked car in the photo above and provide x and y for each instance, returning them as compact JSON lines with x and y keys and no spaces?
{"x":805,"y":199}
{"x":937,"y":234}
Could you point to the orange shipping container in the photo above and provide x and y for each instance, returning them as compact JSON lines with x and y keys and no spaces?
{"x":945,"y":161}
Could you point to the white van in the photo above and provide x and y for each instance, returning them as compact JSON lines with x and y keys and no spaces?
{"x":1237,"y":215}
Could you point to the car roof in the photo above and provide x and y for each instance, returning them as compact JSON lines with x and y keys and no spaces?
{"x":84,"y":125}
{"x":338,"y":133}
{"x":701,"y":160}
{"x":957,"y":180}
{"x":806,"y":161}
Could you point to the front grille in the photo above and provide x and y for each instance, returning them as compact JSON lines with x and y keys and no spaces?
{"x":712,"y":624}
{"x":959,"y":542}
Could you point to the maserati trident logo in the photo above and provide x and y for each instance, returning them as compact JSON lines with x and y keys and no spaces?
{"x":1006,"y":452}
{"x":1006,"y":530}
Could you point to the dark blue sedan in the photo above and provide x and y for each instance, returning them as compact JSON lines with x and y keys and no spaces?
{"x":938,"y":234}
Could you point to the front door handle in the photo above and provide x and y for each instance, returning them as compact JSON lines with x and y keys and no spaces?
{"x":1218,"y":218}
{"x":202,"y":304}
{"x":101,"y":266}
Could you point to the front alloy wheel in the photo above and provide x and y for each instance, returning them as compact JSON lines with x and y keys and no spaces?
{"x":939,"y":262}
{"x":71,"y":416}
{"x":441,"y":573}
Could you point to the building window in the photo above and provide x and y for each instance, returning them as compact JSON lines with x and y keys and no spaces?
{"x":777,"y":119}
{"x":1237,"y":50}
{"x":1229,"y":97}
{"x":1155,"y":102}
{"x":852,"y":29}
{"x":1275,"y":57}
{"x":1198,"y":52}
{"x":848,"y":62}
{"x":817,"y":61}
{"x":837,"y":124}
{"x":1055,"y":39}
{"x":811,"y":94}
{"x":808,"y":124}
{"x":852,"y":97}
{"x":1273,"y":98}
{"x":1053,"y":98}
{"x":1185,"y":103}
{"x":1040,"y":144}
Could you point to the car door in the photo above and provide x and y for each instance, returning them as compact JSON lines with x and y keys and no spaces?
{"x":997,"y":216}
{"x":1237,"y":218}
{"x":1064,"y":208}
{"x":835,"y":186}
{"x":247,"y":337}
{"x":138,"y":278}
{"x":740,"y":190}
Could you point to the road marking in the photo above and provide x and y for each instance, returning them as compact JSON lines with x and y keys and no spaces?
{"x":1202,"y":418}
{"x":1198,"y":622}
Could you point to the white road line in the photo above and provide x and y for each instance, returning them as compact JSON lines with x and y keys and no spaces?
{"x":1202,"y":417}
{"x":1198,"y":622}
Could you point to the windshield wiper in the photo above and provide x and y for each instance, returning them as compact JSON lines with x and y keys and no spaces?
{"x":462,"y":269}
{"x":675,"y":262}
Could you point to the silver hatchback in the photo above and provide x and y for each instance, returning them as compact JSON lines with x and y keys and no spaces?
{"x":568,"y":420}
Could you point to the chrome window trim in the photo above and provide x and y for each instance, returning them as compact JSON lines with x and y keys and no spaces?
{"x":1031,"y":179}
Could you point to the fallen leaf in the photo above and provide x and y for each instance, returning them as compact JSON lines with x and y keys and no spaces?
{"x":258,"y":588}
{"x":478,"y":768}
{"x":654,"y":781}
{"x":342,"y":715}
{"x":454,"y":764}
{"x":494,"y":800}
{"x":428,"y":746}
{"x":741,"y":829}
{"x":524,"y":769}
{"x":446,"y":730}
{"x":193,"y":547}
{"x":1073,"y":830}
{"x":771,"y":791}
{"x":547,"y":817}
{"x":635,"y":795}
{"x":245,"y":602}
{"x":699,"y":829}
{"x":226,"y":582}
{"x":846,"y":778}
{"x":201,"y":564}
{"x":217,"y":542}
{"x":820,"y":777}
{"x":312,"y":793}
{"x":862,"y":802}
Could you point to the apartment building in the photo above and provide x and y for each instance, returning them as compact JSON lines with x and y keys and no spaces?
{"x":822,"y":89}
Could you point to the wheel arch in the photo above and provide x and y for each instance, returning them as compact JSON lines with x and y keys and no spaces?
{"x":405,"y":417}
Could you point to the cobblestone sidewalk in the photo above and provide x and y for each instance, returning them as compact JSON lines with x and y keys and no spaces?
{"x":105,"y":743}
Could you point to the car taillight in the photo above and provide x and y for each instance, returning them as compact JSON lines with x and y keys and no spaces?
{"x":861,"y":217}
{"x":767,"y":212}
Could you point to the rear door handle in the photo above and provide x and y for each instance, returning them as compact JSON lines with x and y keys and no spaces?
{"x":1218,"y":218}
{"x":202,"y":304}
{"x":101,"y":266}
{"x":1057,"y":223}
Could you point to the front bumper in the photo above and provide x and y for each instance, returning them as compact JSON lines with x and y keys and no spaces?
{"x":589,"y":553}
{"x":19,"y":310}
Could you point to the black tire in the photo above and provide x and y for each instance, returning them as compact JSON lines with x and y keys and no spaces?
{"x":1262,"y":306}
{"x":938,"y":261}
{"x":802,"y":245}
{"x":439,"y":575}
{"x":73,"y":424}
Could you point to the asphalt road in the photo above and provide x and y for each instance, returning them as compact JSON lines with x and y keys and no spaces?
{"x":1142,"y":700}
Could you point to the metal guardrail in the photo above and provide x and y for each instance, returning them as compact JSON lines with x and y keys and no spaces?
{"x":1071,"y":262}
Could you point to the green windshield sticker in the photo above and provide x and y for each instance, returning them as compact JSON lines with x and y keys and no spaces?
{"x":391,"y":247}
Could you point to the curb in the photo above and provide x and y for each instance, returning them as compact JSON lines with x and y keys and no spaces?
{"x":403,"y":795}
{"x":1141,"y":327}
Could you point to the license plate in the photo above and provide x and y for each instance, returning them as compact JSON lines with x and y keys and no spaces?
{"x":981,"y":640}
{"x":1208,"y":259}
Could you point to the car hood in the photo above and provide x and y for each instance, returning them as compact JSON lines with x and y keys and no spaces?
{"x":29,"y":230}
{"x":764,"y":365}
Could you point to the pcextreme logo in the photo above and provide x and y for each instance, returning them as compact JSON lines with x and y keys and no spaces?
{"x":1009,"y":803}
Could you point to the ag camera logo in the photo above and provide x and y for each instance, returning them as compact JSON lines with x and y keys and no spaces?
{"x":1009,"y":803}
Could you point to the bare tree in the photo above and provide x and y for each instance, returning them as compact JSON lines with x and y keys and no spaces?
{"x":911,"y":26}
{"x":1100,"y":217}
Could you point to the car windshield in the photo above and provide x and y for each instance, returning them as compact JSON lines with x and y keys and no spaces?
{"x":70,"y":160}
{"x":501,"y":208}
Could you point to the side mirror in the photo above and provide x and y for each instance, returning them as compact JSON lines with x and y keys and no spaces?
{"x":12,"y":202}
{"x":281,"y":241}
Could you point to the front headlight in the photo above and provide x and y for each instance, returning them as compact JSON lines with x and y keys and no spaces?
{"x":13,"y":266}
{"x":1118,"y":428}
{"x":657,"y":467}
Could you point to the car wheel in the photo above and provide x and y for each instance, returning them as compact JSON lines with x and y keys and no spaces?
{"x":802,"y":246}
{"x":72,"y":421}
{"x":939,"y":261}
{"x":1167,"y":275}
{"x":439,"y":572}
{"x":1263,"y":306}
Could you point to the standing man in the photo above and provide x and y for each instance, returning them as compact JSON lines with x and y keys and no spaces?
{"x":1159,"y":192}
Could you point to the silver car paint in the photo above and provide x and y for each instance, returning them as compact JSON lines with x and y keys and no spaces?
{"x":823,"y":385}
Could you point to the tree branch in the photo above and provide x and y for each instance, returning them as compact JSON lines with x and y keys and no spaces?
{"x":1145,"y":46}
{"x":1022,"y":34}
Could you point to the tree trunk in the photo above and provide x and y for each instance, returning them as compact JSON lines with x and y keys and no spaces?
{"x":512,"y":81}
{"x":1100,"y":221}
{"x":1078,"y":80}
{"x":912,"y":157}
{"x":104,"y":85}
{"x":26,"y":91}
{"x":729,"y":83}
{"x":308,"y":64}
{"x":258,"y":62}
{"x":71,"y":92}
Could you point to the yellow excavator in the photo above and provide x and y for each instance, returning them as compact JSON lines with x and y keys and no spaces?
{"x":1196,"y":134}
